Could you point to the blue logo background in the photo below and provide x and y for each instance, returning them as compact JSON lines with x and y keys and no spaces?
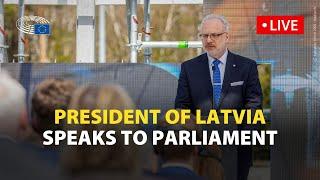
{"x":41,"y":29}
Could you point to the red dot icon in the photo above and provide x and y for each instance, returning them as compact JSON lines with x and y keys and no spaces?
{"x":264,"y":25}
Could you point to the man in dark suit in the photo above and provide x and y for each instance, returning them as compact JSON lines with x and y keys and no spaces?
{"x":220,"y":79}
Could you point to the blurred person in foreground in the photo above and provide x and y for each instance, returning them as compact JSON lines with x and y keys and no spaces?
{"x":219,"y":79}
{"x":208,"y":163}
{"x":49,"y":95}
{"x":16,"y":160}
{"x":102,"y":162}
{"x":178,"y":160}
{"x":13,"y":112}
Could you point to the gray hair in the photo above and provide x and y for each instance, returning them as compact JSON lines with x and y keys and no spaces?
{"x":219,"y":17}
{"x":12,"y":104}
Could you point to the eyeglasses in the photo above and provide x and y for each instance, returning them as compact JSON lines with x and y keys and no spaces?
{"x":211,"y":35}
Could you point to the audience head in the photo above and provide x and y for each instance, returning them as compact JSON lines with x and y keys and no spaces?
{"x":49,"y":95}
{"x":118,"y":158}
{"x":105,"y":97}
{"x":208,"y":163}
{"x":12,"y":106}
{"x":173,"y":153}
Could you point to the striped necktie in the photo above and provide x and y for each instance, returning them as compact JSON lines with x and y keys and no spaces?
{"x":217,"y":85}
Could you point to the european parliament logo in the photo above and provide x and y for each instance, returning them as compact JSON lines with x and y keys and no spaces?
{"x":34,"y":25}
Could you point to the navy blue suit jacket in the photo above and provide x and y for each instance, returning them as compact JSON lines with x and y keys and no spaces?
{"x":195,"y":91}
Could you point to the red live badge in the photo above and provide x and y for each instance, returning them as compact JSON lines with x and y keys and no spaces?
{"x":280,"y":24}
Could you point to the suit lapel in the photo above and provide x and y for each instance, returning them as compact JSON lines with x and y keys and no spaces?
{"x":227,"y":76}
{"x":205,"y":74}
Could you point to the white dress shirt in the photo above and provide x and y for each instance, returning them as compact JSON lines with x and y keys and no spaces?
{"x":221,"y":66}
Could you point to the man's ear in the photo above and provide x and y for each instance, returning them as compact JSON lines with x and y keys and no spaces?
{"x":23,"y":121}
{"x":22,"y":124}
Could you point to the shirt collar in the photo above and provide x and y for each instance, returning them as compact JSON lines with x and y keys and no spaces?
{"x":222,"y":59}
